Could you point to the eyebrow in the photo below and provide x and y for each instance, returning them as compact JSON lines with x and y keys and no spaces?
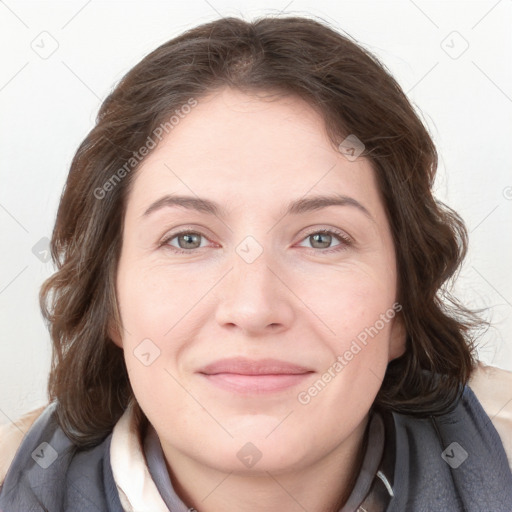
{"x":295,"y":207}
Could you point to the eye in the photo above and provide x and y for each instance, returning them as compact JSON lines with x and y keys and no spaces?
{"x":324,"y":237}
{"x":188,"y":241}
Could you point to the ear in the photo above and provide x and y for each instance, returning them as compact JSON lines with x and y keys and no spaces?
{"x":398,"y":337}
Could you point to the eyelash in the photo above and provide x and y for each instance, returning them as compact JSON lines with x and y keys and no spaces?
{"x":345,"y":241}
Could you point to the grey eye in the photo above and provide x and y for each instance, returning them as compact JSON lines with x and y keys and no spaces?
{"x":191,"y":240}
{"x":322,"y":239}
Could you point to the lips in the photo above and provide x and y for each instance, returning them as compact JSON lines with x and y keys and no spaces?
{"x":249,"y":377}
{"x":244,"y":366}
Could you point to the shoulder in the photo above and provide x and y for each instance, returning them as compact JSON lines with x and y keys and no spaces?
{"x":493,"y":388}
{"x":43,"y":468}
{"x":458,"y":458}
{"x":11,"y":436}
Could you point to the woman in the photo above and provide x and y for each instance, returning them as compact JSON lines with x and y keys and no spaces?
{"x":247,"y":310}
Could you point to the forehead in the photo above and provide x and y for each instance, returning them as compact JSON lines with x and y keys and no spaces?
{"x":255,"y":150}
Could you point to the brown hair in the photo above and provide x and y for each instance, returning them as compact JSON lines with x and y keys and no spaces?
{"x":354,"y":94}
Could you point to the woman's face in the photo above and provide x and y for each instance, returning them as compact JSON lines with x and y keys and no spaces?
{"x":252,"y":339}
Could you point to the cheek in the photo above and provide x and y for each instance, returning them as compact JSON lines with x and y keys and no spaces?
{"x":357,"y":312}
{"x":350,"y":300}
{"x":157,"y":311}
{"x":342,"y":302}
{"x":152,"y":300}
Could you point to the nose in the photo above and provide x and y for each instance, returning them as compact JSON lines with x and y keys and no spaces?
{"x":255,"y":297}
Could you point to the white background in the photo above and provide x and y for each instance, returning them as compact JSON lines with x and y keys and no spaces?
{"x":49,"y":104}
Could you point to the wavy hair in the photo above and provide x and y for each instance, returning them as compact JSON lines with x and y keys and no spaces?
{"x":355,"y":94}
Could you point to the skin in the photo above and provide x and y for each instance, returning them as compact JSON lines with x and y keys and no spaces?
{"x":294,"y":302}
